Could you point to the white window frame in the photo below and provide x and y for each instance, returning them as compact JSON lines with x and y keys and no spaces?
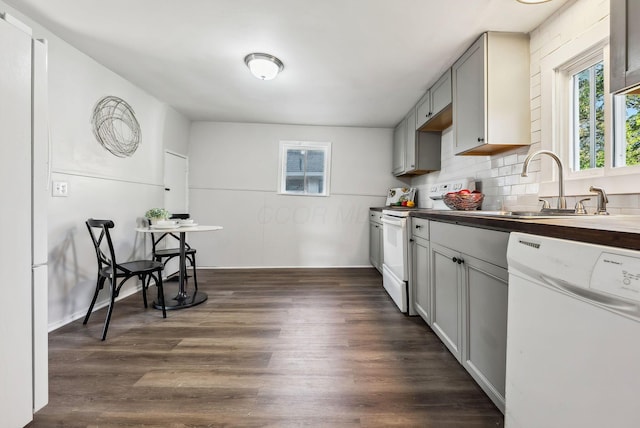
{"x":566,"y":98}
{"x":619,"y":134}
{"x":556,"y":126}
{"x":285,"y":146}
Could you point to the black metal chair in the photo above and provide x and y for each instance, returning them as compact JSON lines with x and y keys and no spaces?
{"x":118,"y":273}
{"x":165,"y":254}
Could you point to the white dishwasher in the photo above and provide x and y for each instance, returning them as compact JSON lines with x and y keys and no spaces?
{"x":573,"y":334}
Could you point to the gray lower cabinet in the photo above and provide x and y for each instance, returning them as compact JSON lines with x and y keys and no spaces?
{"x":375,"y":239}
{"x":485,"y":326}
{"x":469,"y":282}
{"x":446,"y":280}
{"x":419,"y":282}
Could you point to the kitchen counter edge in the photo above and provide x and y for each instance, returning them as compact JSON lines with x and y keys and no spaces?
{"x":612,"y":232}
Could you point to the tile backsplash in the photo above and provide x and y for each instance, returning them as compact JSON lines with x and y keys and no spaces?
{"x":498,"y":177}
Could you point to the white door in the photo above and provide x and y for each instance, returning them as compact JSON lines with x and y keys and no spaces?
{"x":175,"y":183}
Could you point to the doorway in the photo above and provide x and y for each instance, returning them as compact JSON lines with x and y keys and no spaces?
{"x":176,"y":183}
{"x":176,"y":198}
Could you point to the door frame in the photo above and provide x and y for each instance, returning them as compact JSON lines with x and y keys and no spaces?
{"x":164,"y":177}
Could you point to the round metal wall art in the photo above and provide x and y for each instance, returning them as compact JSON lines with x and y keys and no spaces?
{"x":115,"y":126}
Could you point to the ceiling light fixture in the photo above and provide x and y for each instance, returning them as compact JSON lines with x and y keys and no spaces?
{"x":533,"y":1}
{"x":264,"y":66}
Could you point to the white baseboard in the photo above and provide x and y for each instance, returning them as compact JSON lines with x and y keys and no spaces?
{"x":282,"y":267}
{"x":99,"y":305}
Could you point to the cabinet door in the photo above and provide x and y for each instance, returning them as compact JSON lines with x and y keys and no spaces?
{"x":441,"y":93}
{"x":625,"y":44}
{"x":410,"y":143}
{"x":469,"y":105}
{"x":445,"y":281}
{"x":374,"y":244}
{"x":423,"y":110}
{"x":399,"y":148}
{"x":420,"y":279}
{"x":485,"y":320}
{"x":380,"y":248}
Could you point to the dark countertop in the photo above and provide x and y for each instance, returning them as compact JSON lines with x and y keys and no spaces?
{"x":622,"y":231}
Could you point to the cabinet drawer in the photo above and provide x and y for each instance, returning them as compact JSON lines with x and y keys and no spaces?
{"x":487,"y":245}
{"x":375,"y":216}
{"x":420,"y":228}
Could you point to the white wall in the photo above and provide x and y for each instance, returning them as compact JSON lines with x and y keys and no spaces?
{"x":100,"y":184}
{"x":233,"y":183}
{"x":499,"y":175}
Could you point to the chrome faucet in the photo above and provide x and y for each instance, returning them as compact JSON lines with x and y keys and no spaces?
{"x":562,"y":202}
{"x":602,"y":200}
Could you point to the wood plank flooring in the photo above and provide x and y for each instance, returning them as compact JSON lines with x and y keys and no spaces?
{"x":270,"y":348}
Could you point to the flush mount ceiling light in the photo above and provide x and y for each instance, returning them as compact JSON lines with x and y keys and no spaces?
{"x":263,"y":66}
{"x":533,"y":1}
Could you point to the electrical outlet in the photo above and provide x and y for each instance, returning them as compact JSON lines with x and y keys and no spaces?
{"x":60,"y":189}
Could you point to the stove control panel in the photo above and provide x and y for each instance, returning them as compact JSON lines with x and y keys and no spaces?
{"x":438,"y":190}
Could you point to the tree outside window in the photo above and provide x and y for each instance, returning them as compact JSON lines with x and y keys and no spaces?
{"x":627,"y":130}
{"x":588,"y":118}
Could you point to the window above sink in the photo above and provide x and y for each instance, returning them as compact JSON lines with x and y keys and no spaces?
{"x":593,"y":132}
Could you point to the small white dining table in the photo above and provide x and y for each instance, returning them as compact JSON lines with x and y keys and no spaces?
{"x":182,"y":298}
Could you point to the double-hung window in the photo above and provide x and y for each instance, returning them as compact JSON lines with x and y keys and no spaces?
{"x":305,"y":168}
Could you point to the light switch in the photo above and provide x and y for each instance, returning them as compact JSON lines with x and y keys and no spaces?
{"x":60,"y":189}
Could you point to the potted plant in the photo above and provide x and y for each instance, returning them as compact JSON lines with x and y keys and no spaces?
{"x":155,"y":214}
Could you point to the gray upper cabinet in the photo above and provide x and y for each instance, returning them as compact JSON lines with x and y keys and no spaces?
{"x":399,"y":148}
{"x":491,"y":105}
{"x":414,"y":152}
{"x":410,"y":143}
{"x":434,"y":112}
{"x":625,"y":45}
{"x":423,"y":110}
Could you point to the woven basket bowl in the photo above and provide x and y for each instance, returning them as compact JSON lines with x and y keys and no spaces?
{"x":469,"y":202}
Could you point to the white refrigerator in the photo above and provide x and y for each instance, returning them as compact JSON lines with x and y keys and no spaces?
{"x":23,"y":256}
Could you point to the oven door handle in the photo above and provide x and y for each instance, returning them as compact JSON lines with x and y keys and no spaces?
{"x":390,"y":222}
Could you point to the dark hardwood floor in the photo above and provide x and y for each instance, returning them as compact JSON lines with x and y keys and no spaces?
{"x":270,"y":348}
